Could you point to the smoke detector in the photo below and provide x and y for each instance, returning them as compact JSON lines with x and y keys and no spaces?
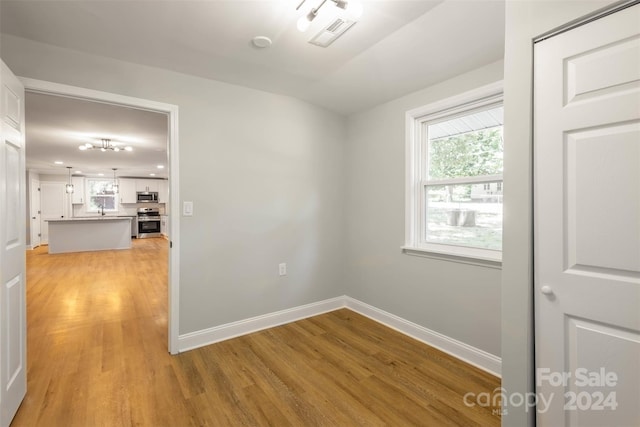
{"x":332,"y":31}
{"x":261,"y":42}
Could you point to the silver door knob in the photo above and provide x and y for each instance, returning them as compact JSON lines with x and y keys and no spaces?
{"x":546,"y":289}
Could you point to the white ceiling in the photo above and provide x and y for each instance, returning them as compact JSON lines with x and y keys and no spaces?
{"x":397,"y":47}
{"x":56,"y":126}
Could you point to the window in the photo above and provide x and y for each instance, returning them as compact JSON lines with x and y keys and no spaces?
{"x":454,"y":178}
{"x":101,"y":196}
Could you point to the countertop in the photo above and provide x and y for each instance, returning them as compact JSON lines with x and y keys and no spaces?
{"x":93,"y":218}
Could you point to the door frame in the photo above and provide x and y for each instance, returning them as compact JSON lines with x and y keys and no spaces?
{"x":50,"y":88}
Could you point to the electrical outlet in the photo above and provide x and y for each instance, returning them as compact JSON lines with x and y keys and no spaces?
{"x":282,"y":268}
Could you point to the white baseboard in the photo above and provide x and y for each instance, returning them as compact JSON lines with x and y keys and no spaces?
{"x":254,"y":324}
{"x":474,"y":356}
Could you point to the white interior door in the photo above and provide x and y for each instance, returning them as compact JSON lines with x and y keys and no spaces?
{"x":13,"y":195}
{"x":53,"y":205}
{"x":587,"y":223}
{"x":35,"y":217}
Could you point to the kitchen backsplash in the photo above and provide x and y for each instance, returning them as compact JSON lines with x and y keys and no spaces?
{"x":123,"y":210}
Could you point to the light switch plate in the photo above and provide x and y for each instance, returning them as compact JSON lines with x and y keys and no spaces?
{"x":187,"y":208}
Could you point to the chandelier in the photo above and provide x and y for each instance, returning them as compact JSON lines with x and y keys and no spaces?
{"x":104,"y":146}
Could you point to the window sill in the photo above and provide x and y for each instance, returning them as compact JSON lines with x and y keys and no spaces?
{"x":443,"y":255}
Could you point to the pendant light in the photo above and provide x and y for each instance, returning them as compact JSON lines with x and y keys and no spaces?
{"x":69,"y":187}
{"x":115,"y":182}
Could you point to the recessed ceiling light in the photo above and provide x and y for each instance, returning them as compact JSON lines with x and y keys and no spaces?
{"x":78,"y":172}
{"x":160,"y":166}
{"x":152,"y":174}
{"x":261,"y":42}
{"x":58,"y":162}
{"x":100,"y":174}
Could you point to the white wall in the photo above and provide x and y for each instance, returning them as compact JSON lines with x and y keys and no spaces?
{"x":265,"y":173}
{"x":460,"y":301}
{"x":525,"y":20}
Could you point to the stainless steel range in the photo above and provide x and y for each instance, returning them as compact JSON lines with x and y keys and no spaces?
{"x":148,"y":222}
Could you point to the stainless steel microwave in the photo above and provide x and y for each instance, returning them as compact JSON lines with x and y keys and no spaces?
{"x":147,"y":197}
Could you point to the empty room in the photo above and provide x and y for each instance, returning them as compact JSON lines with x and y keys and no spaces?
{"x":320,"y":212}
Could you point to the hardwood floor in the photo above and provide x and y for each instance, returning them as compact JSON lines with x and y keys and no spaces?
{"x":97,"y":356}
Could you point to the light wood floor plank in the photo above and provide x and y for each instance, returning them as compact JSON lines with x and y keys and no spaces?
{"x":97,"y":356}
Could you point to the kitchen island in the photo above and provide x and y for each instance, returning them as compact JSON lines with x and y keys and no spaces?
{"x":89,"y":234}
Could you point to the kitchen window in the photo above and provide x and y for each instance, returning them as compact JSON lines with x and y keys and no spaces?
{"x":101,"y":196}
{"x":454,"y":178}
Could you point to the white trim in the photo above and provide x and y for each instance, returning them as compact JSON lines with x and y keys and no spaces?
{"x":600,"y":13}
{"x":472,"y":355}
{"x":254,"y":324}
{"x":461,"y":181}
{"x":484,"y":95}
{"x":40,"y":86}
{"x":415,"y":145}
{"x":482,"y":257}
{"x":469,"y":354}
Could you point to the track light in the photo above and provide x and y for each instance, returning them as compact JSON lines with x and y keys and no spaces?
{"x":351,"y":7}
{"x":305,"y":21}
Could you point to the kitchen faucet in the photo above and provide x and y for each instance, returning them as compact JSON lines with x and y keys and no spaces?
{"x":102,"y":210}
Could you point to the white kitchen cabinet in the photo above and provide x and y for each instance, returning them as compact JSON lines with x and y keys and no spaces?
{"x":147,"y":185}
{"x":163,"y":191}
{"x":127,"y":190}
{"x":78,"y":195}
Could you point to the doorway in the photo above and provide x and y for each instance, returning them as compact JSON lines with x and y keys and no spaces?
{"x":171,"y":111}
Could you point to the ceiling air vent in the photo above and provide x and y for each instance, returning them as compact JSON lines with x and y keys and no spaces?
{"x":331,"y":32}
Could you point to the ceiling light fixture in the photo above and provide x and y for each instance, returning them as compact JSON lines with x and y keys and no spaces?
{"x":352,"y":7}
{"x":105,"y":144}
{"x":69,"y":187}
{"x":115,"y":182}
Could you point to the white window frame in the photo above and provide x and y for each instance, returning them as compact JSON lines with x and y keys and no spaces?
{"x":88,"y":196}
{"x":416,"y":144}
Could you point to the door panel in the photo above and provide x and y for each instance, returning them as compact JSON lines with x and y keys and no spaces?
{"x":602,"y":70}
{"x":591,"y":347}
{"x":587,"y":223}
{"x":13,"y":376}
{"x":602,"y":184}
